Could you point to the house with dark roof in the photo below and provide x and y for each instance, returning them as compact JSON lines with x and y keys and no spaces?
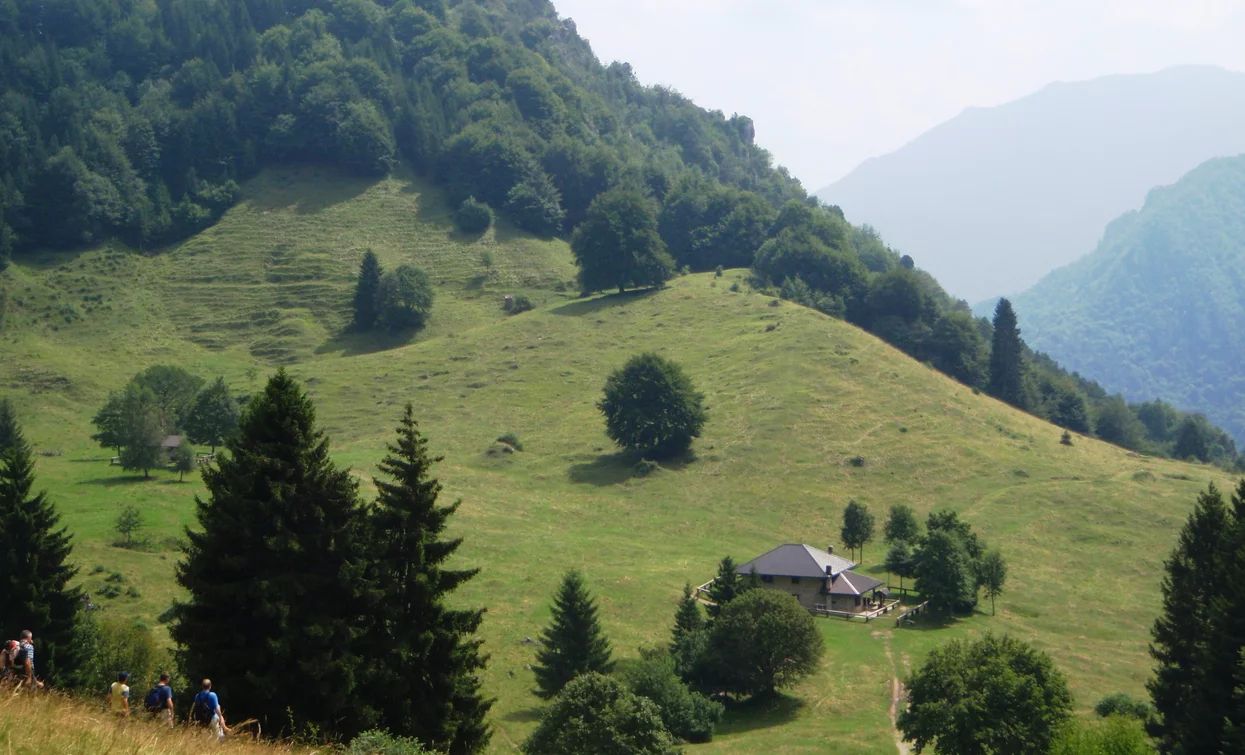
{"x":819,"y":579}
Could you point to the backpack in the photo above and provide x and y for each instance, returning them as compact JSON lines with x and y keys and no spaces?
{"x":9,"y":653}
{"x":203,"y":712}
{"x":152,"y":701}
{"x":19,"y":656}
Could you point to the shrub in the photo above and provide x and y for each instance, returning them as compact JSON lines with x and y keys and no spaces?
{"x":651,"y":406}
{"x":521,"y":304}
{"x":512,"y":440}
{"x":114,"y":645}
{"x":473,"y":216}
{"x":377,"y":742}
{"x":109,"y":591}
{"x":595,"y":713}
{"x":1120,"y":704}
{"x":115,"y":577}
{"x":1115,"y":736}
{"x":645,"y":467}
{"x":687,"y":714}
{"x":1066,"y":439}
{"x":717,"y":272}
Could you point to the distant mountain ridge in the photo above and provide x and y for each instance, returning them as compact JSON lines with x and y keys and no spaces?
{"x":1159,"y":308}
{"x":993,"y":199}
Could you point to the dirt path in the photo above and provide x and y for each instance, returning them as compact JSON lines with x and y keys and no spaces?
{"x":896,"y":695}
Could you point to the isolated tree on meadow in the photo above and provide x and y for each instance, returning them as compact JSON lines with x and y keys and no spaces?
{"x":278,"y":566}
{"x":762,"y":641}
{"x":858,"y":527}
{"x":618,"y":246}
{"x":174,"y":390}
{"x":1007,"y":367}
{"x":425,"y":657}
{"x":574,"y":643}
{"x":35,"y":569}
{"x":992,"y":695}
{"x":214,"y":416}
{"x":129,"y":523}
{"x":366,"y":292}
{"x":992,"y":572}
{"x":651,"y":406}
{"x":404,"y":299}
{"x":901,"y":524}
{"x":142,"y":429}
{"x":944,"y":573}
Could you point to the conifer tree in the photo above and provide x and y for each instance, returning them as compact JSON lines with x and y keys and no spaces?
{"x":1182,"y":631}
{"x":725,"y":586}
{"x":275,"y":575}
{"x":365,"y":292}
{"x":426,"y":658}
{"x":1007,"y":368}
{"x":9,"y":429}
{"x":34,"y":555}
{"x":573,"y":644}
{"x":687,"y":618}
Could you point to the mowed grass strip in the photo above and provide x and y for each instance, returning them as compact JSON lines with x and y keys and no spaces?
{"x":793,"y":396}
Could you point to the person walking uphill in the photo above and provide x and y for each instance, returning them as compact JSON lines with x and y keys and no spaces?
{"x":24,"y":662}
{"x":119,"y":696}
{"x":206,"y":712}
{"x":159,"y":701}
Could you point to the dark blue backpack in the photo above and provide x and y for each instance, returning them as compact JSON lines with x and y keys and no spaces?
{"x":152,"y":701}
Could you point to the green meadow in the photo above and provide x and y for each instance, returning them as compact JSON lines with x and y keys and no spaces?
{"x":793,"y":397}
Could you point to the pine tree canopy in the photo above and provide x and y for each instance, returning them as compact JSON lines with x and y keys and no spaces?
{"x":34,"y":569}
{"x":427,"y":659}
{"x":573,"y":644}
{"x":276,"y":575}
{"x":725,"y":586}
{"x":1007,"y":368}
{"x":687,"y":618}
{"x":9,"y":429}
{"x":366,"y":308}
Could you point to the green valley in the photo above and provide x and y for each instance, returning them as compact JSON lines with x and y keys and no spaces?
{"x":793,"y":396}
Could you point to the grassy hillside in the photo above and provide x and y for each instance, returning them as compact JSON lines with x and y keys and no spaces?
{"x":792,"y":396}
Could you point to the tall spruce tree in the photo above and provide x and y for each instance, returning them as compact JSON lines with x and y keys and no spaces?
{"x":573,"y":644}
{"x":1181,"y":634}
{"x":34,"y":554}
{"x":276,"y":575}
{"x":426,"y":658}
{"x":366,"y":307}
{"x":687,"y":618}
{"x":726,"y":586}
{"x":1007,"y":367}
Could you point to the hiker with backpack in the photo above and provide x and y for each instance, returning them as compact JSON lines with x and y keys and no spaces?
{"x":206,"y":711}
{"x":119,"y":696}
{"x":159,"y":701}
{"x":7,"y":667}
{"x":24,"y":661}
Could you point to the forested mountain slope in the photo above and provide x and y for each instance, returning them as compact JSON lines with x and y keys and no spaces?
{"x":137,"y":120}
{"x":1158,"y":309}
{"x":997,"y":197}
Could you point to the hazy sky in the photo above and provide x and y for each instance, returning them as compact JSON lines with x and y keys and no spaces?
{"x":833,"y":82}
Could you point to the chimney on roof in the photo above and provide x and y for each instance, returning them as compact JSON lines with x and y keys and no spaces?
{"x":829,"y":570}
{"x":830,"y":549}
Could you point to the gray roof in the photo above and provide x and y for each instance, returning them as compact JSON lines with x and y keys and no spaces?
{"x":173,"y":441}
{"x":851,"y":583}
{"x":792,"y":560}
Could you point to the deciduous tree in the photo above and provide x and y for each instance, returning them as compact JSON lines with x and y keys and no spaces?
{"x":651,"y":406}
{"x":762,"y":641}
{"x":901,"y":524}
{"x":595,"y":713}
{"x":858,"y":526}
{"x":214,"y":416}
{"x":617,"y":245}
{"x":992,"y":571}
{"x":944,"y":573}
{"x":405,"y":298}
{"x":992,"y":695}
{"x":143,"y":429}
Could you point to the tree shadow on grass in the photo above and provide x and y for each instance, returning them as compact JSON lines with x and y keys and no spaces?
{"x":762,"y":712}
{"x":312,"y":187}
{"x":527,"y":715}
{"x":930,"y":622}
{"x":352,"y":344}
{"x":617,"y":468}
{"x":109,"y":482}
{"x":588,"y":306}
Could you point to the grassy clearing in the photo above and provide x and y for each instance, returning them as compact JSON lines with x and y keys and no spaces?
{"x":1085,"y":528}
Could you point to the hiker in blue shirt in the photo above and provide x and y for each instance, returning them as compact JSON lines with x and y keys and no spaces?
{"x":159,"y":702}
{"x":206,"y":711}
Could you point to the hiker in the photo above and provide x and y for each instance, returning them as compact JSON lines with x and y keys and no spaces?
{"x":159,"y":701}
{"x":7,"y":654}
{"x":119,"y":696}
{"x":24,"y":661}
{"x":206,"y":712}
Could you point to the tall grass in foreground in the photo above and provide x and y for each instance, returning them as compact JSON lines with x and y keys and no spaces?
{"x":52,"y":723}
